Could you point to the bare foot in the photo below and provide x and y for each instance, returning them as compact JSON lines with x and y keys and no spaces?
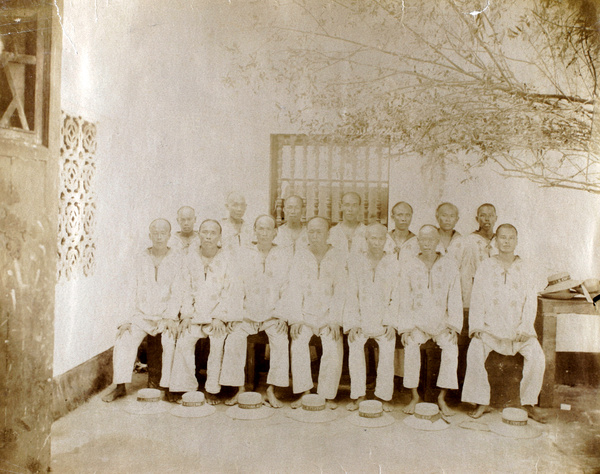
{"x":353,"y":405}
{"x":298,"y":403}
{"x":212,"y":399}
{"x":480,"y":411}
{"x":536,"y":413}
{"x":331,"y":404}
{"x":272,"y":400}
{"x":119,"y":392}
{"x":410,"y":408}
{"x":446,"y":410}
{"x":233,"y":400}
{"x":174,"y":397}
{"x":387,"y":406}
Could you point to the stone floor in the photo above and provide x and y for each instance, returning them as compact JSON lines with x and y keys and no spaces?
{"x":98,"y":438}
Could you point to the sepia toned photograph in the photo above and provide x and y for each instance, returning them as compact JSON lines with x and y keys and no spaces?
{"x":299,"y":236}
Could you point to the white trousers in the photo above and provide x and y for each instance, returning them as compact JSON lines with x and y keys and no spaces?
{"x":476,"y":388}
{"x":183,"y":374}
{"x":330,"y":369}
{"x":126,"y":349}
{"x":384,"y":384}
{"x":447,"y":377}
{"x":234,"y":356}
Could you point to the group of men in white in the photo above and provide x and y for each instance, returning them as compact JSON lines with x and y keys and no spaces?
{"x":231,"y":279}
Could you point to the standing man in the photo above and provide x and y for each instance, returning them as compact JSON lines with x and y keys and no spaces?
{"x":293,"y":232}
{"x":501,"y":319}
{"x":405,"y":243}
{"x":430,"y":307}
{"x":264,"y":271}
{"x":452,"y":243}
{"x":479,"y":246}
{"x":236,"y":232}
{"x":156,"y":300}
{"x":349,"y":234}
{"x":367,"y":315}
{"x":205,"y":313}
{"x":186,"y":238}
{"x":314,"y":302}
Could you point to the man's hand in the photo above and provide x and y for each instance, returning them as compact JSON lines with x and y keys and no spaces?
{"x":232,"y":325}
{"x":390,"y":333}
{"x":353,"y":334}
{"x":218,"y":328}
{"x":295,"y":330}
{"x":123,"y":328}
{"x":170,"y":325}
{"x":405,"y":337}
{"x":522,"y":337}
{"x":281,"y":327}
{"x":334,"y":330}
{"x":453,"y":335}
{"x":184,"y":325}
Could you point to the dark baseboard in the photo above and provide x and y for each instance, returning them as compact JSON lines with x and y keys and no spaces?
{"x":75,"y":387}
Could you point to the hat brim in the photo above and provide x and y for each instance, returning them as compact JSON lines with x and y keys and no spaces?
{"x":306,"y":416}
{"x":518,"y":432}
{"x":238,"y":413}
{"x":146,"y":408}
{"x":563,"y":285}
{"x":384,"y":420}
{"x":193,"y":412}
{"x":425,"y":425}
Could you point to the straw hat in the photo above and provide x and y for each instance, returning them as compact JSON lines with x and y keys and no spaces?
{"x":514,"y":424}
{"x":370,"y":414}
{"x":193,"y":405}
{"x":314,"y":410}
{"x":148,"y":402}
{"x":559,"y":285}
{"x":249,"y":407}
{"x":427,"y":417}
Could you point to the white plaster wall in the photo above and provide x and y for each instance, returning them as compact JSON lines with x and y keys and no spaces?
{"x":171,"y":133}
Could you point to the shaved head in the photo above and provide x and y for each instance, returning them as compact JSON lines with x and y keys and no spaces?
{"x":266,"y":218}
{"x":429,"y":230}
{"x":376,"y":229}
{"x":159,"y":225}
{"x":446,"y":206}
{"x":296,"y":198}
{"x":319,"y":218}
{"x":186,"y":211}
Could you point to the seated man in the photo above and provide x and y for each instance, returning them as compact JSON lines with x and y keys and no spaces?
{"x":205,"y":312}
{"x":430,"y":307}
{"x":187,"y":238}
{"x":157,"y":298}
{"x":263,"y":273}
{"x":237,"y":233}
{"x":367,"y":315}
{"x":405,"y":243}
{"x":292,"y":233}
{"x":314,"y":302}
{"x":501,"y":319}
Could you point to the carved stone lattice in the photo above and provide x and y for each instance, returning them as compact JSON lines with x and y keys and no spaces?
{"x":77,"y":198}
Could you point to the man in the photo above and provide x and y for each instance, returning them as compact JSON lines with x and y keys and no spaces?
{"x":292,"y":233}
{"x":205,"y":312}
{"x":186,"y":238}
{"x":501,"y":319}
{"x":430,"y":307}
{"x":264,"y":270}
{"x":349,"y":234}
{"x":367,"y":315}
{"x":404,"y":241}
{"x":314,"y":304}
{"x":452,"y":243}
{"x":236,"y":232}
{"x":479,"y":246}
{"x":157,"y":298}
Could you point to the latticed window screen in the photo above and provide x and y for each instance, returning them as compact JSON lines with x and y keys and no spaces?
{"x":24,"y":74}
{"x":321,"y":169}
{"x":77,"y":199}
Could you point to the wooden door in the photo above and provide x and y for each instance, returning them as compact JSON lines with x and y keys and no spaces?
{"x":30,"y":46}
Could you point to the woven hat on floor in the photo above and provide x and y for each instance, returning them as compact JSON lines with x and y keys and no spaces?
{"x":427,"y":417}
{"x":514,"y":424}
{"x":193,"y":405}
{"x":313,"y":410}
{"x":250,"y":406}
{"x":148,"y":401}
{"x":370,"y":414}
{"x":559,"y":285}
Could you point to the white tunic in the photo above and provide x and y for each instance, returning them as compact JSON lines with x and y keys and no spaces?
{"x":284,"y":238}
{"x":477,"y":249}
{"x":183,"y":244}
{"x":358,"y":242}
{"x":232,"y":239}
